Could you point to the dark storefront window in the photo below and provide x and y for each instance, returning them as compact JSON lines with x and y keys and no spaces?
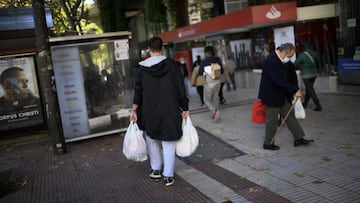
{"x":321,"y":35}
{"x":348,"y":32}
{"x":300,"y":3}
{"x":263,"y":45}
{"x":349,"y":28}
{"x":261,"y":2}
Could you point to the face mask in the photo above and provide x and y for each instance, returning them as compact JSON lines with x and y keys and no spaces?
{"x":286,"y":59}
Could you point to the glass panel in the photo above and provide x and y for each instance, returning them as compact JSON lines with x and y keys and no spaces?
{"x":104,"y":85}
{"x":94,"y":87}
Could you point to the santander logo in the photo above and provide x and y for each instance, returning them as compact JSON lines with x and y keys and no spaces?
{"x":273,"y":13}
{"x":186,"y":32}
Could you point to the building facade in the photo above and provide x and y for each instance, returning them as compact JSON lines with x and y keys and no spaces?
{"x":257,"y":27}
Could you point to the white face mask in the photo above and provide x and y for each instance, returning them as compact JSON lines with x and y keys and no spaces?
{"x":286,"y":59}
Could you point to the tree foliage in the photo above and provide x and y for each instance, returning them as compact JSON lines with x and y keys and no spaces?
{"x":74,"y":11}
{"x":155,"y":15}
{"x":171,"y":7}
{"x":112,"y":15}
{"x":14,"y":3}
{"x":70,"y":17}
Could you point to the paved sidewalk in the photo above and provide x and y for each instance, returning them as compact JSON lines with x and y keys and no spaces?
{"x":95,"y":170}
{"x":328,"y":170}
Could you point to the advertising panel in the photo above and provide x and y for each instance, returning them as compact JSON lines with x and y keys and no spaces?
{"x":284,"y":35}
{"x":261,"y":47}
{"x":70,"y":90}
{"x":198,"y":51}
{"x":121,"y":49}
{"x":20,"y":105}
{"x":241,"y":53}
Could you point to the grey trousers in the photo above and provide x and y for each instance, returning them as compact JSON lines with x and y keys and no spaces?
{"x":272,"y":122}
{"x":211,"y":91}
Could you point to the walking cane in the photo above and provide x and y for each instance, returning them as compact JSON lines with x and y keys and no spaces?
{"x":284,"y":120}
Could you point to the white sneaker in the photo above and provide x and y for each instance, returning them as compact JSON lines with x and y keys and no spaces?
{"x":155,"y":174}
{"x":169,"y":181}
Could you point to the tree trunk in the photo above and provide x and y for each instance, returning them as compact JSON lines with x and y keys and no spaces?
{"x":46,"y":75}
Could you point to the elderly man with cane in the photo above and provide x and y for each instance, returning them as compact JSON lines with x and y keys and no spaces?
{"x":278,"y":87}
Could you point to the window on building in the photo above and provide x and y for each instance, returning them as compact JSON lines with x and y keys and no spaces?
{"x":235,"y":5}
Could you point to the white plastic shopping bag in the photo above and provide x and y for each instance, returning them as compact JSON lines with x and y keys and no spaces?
{"x":189,"y":141}
{"x":299,"y":110}
{"x":134,"y":146}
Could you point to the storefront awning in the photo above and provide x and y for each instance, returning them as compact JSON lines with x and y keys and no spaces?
{"x":239,"y":21}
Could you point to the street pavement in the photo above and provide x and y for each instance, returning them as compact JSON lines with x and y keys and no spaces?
{"x":327,"y":170}
{"x":95,"y":170}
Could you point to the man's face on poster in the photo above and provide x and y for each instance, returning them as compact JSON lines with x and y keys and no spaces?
{"x":16,"y":86}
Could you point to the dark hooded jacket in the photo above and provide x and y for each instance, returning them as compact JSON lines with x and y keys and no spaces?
{"x":278,"y":82}
{"x":160,"y":96}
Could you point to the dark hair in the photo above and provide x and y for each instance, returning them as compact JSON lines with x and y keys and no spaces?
{"x":287,"y":47}
{"x":8,"y":72}
{"x":305,"y":44}
{"x":210,"y":49}
{"x":155,"y":44}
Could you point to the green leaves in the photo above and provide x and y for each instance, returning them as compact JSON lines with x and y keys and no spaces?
{"x":155,"y":15}
{"x":112,"y":15}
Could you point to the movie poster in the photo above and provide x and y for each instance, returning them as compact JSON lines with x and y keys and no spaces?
{"x":20,"y":104}
{"x":241,"y":53}
{"x":261,"y":48}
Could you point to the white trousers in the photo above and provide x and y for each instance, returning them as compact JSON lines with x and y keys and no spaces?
{"x":165,"y":156}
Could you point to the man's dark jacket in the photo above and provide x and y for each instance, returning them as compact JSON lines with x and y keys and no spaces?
{"x":278,"y":82}
{"x":160,"y":94}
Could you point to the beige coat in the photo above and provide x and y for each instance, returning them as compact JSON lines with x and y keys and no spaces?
{"x":196,"y":79}
{"x":225,"y":77}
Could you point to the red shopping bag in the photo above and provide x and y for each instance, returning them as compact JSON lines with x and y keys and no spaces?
{"x":258,"y":112}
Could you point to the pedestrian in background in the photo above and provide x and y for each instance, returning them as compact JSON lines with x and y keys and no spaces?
{"x":198,"y":81}
{"x":231,"y":67}
{"x":278,"y":87}
{"x":196,"y":62}
{"x":159,"y":105}
{"x":224,"y":79}
{"x":211,"y":87}
{"x":307,"y":62}
{"x":185,"y":74}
